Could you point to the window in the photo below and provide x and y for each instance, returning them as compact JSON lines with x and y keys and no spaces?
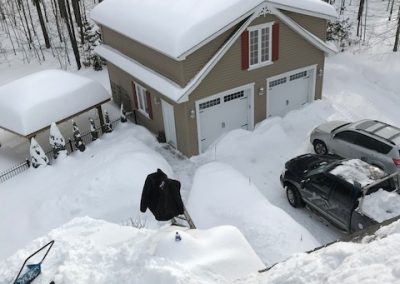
{"x":373,"y":144}
{"x":260,"y":39}
{"x":348,"y":136}
{"x":142,"y":102}
{"x":322,"y":184}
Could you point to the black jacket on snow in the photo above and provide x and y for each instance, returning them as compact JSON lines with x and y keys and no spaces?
{"x":162,"y":196}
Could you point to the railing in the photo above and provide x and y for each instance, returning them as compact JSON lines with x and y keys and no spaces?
{"x":70,"y":147}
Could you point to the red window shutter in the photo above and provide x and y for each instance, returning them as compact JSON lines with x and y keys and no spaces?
{"x":275,"y":42}
{"x":245,"y":50}
{"x":134,"y":95}
{"x":150,"y":109}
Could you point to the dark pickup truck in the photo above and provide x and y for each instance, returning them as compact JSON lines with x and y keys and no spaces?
{"x":335,"y":187}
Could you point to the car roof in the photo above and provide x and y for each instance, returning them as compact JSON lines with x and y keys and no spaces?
{"x":379,"y":129}
{"x":357,"y":171}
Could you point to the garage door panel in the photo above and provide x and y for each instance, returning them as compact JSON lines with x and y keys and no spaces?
{"x":222,"y":114}
{"x":288,"y":92}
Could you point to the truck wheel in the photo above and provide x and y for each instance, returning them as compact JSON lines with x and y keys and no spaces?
{"x":320,"y":147}
{"x":294,"y":197}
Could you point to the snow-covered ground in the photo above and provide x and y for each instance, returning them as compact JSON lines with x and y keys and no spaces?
{"x":236,"y":182}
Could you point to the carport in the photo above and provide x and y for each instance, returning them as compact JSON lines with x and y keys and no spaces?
{"x":29,"y":105}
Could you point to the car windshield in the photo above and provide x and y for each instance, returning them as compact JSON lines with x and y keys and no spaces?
{"x":340,"y":126}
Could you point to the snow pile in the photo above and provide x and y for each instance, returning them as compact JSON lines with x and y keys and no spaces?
{"x":34,"y":101}
{"x":375,"y":260}
{"x":358,"y":171}
{"x":381,"y":205}
{"x":177,"y":26}
{"x":94,"y":251}
{"x":104,"y":182}
{"x":221,"y":195}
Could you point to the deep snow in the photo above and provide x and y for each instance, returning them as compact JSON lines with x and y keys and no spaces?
{"x":27,"y":104}
{"x":356,"y":86}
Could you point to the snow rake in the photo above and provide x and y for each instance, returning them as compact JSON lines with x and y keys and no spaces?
{"x":34,"y":270}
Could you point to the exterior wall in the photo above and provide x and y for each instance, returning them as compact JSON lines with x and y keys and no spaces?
{"x":294,"y":52}
{"x":180,"y":72}
{"x":162,"y":64}
{"x":124,"y":81}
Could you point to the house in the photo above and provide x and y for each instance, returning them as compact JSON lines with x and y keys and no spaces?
{"x":195,"y":69}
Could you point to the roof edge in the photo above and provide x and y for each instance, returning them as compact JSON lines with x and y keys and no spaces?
{"x":303,"y":11}
{"x":307,"y":35}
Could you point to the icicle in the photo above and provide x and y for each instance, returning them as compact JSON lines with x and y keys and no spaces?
{"x":108,"y":125}
{"x":123,"y":114}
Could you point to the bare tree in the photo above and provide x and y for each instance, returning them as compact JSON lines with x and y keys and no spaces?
{"x":42,"y":24}
{"x":396,"y":42}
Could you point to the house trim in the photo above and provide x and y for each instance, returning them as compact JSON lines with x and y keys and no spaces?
{"x":250,"y":112}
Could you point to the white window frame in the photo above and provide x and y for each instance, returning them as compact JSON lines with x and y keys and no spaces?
{"x":141,"y":98}
{"x":259,"y":28}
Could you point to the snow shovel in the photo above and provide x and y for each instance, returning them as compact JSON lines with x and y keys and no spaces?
{"x":33,"y":270}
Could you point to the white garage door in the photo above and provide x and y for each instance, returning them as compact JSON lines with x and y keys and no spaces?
{"x":290,"y":91}
{"x":221,"y":113}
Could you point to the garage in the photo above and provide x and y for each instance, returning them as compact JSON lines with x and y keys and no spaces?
{"x":224,"y":112}
{"x":290,"y":91}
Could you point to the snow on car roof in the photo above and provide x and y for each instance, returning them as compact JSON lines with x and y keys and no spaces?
{"x":358,"y":171}
{"x":173,"y":27}
{"x":35,"y":101}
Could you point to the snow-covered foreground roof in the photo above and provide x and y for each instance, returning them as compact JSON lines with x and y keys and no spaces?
{"x":374,"y":260}
{"x":175,"y":27}
{"x":31,"y":103}
{"x":222,"y":195}
{"x":94,"y":251}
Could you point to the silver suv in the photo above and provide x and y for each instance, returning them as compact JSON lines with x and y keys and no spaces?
{"x":373,"y":141}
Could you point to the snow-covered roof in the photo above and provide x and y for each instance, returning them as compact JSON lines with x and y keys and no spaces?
{"x":176,"y":27}
{"x":33,"y":102}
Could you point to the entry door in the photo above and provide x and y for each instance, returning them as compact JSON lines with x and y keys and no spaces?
{"x":169,"y":123}
{"x":289,"y":91}
{"x":220,"y":114}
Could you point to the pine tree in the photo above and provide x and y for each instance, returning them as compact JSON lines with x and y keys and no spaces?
{"x":91,"y":40}
{"x":93,"y":131}
{"x":57,"y":142}
{"x":38,"y":157}
{"x":108,"y":125}
{"x":78,"y":138}
{"x":123,"y":114}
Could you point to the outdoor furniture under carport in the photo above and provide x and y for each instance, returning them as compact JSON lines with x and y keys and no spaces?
{"x":29,"y":105}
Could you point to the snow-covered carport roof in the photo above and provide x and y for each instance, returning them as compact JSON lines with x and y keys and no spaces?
{"x":30,"y":104}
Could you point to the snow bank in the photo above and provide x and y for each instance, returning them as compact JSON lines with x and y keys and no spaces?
{"x":381,"y":205}
{"x":358,"y":171}
{"x":104,"y":182}
{"x":176,"y":26}
{"x":375,"y":260}
{"x":221,"y":195}
{"x":94,"y":251}
{"x":34,"y":101}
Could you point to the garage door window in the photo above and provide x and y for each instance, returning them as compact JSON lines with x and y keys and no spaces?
{"x":277,"y":82}
{"x":209,"y":103}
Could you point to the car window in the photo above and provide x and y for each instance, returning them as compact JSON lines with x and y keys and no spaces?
{"x":348,"y":136}
{"x":372,"y":144}
{"x":342,"y":193}
{"x":322,"y":184}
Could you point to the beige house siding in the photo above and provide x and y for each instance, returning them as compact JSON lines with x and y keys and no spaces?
{"x":180,"y":72}
{"x":160,"y":63}
{"x":317,"y":26}
{"x":124,"y":80}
